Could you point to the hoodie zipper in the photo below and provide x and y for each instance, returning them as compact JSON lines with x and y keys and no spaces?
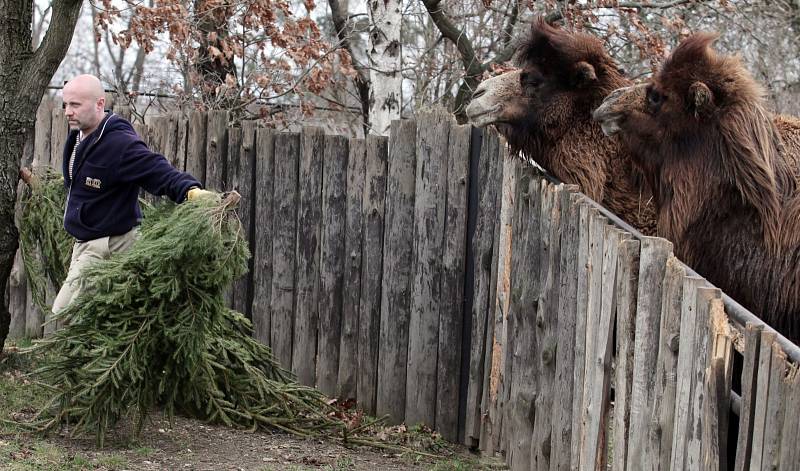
{"x":75,"y":169}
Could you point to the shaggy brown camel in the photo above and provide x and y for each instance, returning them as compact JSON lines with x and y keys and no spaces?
{"x":724,"y":173}
{"x":545,"y":110}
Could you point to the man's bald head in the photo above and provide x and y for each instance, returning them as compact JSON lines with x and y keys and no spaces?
{"x":84,"y":102}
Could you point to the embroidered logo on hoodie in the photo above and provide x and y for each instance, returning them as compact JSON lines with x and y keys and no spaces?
{"x":93,"y":182}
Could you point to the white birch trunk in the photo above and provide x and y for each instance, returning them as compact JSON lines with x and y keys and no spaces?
{"x":385,"y":63}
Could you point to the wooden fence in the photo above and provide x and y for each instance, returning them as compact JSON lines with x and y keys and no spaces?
{"x":641,"y":377}
{"x":378,"y":273}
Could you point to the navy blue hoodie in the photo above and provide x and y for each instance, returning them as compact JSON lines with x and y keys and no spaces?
{"x":110,"y":166}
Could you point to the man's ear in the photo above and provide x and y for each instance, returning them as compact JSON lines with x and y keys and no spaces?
{"x":101,"y":103}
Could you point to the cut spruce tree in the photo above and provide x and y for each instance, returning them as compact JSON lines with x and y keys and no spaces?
{"x":150,"y":329}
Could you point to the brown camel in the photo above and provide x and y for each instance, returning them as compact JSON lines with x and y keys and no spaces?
{"x":724,"y":174}
{"x":545,"y":110}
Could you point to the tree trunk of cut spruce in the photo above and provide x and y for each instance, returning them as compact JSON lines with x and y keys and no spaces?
{"x":384,"y":57}
{"x":24,"y":76}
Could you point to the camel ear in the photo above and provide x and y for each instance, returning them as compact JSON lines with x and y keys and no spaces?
{"x":701,"y":98}
{"x":585,"y":74}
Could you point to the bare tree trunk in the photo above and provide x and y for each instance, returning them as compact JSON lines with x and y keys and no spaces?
{"x":361,"y":81}
{"x":24,"y":76}
{"x":95,"y":43}
{"x":212,"y":29}
{"x":385,"y":64}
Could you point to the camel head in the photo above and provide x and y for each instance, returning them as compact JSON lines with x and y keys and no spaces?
{"x":563,"y":76}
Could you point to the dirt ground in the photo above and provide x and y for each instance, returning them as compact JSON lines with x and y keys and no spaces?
{"x":192,"y":445}
{"x":189,"y":444}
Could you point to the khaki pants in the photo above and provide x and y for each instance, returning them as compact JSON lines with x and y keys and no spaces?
{"x":83,"y":254}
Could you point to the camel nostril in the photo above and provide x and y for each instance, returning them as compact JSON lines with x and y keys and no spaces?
{"x":479,"y":93}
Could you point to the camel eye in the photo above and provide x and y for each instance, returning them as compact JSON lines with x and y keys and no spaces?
{"x":530,"y":81}
{"x":654,"y":98}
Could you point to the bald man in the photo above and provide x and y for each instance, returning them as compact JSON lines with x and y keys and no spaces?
{"x":105,"y":165}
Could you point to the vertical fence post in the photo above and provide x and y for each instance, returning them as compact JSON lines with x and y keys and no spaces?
{"x":561,"y":433}
{"x":263,"y":230}
{"x":429,"y":216}
{"x":371,"y":271}
{"x":626,"y":291}
{"x":451,"y":300}
{"x":654,"y":256}
{"x":309,"y":227}
{"x":521,"y":340}
{"x":346,"y":384}
{"x":287,"y":152}
{"x":334,"y":222}
{"x":398,"y":250}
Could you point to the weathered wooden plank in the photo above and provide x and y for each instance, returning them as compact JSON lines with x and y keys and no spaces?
{"x":42,"y":138}
{"x":521,"y":319}
{"x":717,"y":405}
{"x":58,"y":136}
{"x":695,"y":444}
{"x":497,"y":366}
{"x":583,"y":256}
{"x":287,"y":146}
{"x":480,"y":361}
{"x":348,"y":349}
{"x":429,"y":216}
{"x":242,"y":155}
{"x":685,"y":368}
{"x":451,"y":301}
{"x":660,"y":436}
{"x":626,"y":290}
{"x":216,"y":149}
{"x":561,"y":432}
{"x":196,"y":146}
{"x":715,"y":395}
{"x":157,"y":128}
{"x":500,"y":330}
{"x":790,"y":452}
{"x":398,"y":250}
{"x":723,"y":336}
{"x":596,"y":238}
{"x":331,"y":267}
{"x":182,"y":136}
{"x":770,"y":458}
{"x":371,"y":271}
{"x":263,"y":222}
{"x":653,"y":261}
{"x":752,"y":338}
{"x":761,"y":399}
{"x":170,"y":142}
{"x":309,"y":227}
{"x":599,"y":369}
{"x":546,"y":324}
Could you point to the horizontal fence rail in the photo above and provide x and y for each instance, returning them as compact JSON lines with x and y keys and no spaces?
{"x":434,"y":280}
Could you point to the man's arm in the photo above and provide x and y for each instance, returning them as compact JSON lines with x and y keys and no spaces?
{"x":154,"y":173}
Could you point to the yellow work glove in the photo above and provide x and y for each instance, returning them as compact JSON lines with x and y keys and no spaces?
{"x":195,"y":193}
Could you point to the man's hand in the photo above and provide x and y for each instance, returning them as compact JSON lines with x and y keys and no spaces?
{"x":195,"y":193}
